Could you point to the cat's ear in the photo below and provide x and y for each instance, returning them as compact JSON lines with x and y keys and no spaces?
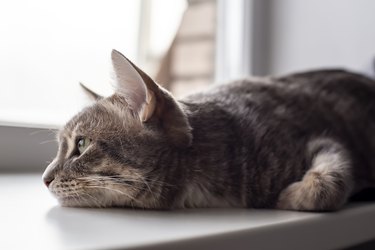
{"x":91,"y":94}
{"x":131,"y":86}
{"x":149,"y":100}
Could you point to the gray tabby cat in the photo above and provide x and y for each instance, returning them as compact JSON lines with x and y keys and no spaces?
{"x":300,"y":142}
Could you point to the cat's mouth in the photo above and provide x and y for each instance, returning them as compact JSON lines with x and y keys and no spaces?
{"x":95,"y":191}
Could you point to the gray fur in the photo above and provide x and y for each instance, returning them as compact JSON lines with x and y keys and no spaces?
{"x":301,"y":142}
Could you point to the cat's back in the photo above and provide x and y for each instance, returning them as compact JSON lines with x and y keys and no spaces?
{"x":336,"y":102}
{"x":337,"y":91}
{"x":311,"y":83}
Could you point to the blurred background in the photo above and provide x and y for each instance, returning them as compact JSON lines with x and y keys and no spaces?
{"x":47,"y":47}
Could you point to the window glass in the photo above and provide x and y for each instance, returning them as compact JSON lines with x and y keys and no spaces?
{"x":47,"y":47}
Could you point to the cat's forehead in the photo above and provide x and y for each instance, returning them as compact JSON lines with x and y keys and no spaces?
{"x":105,"y":116}
{"x":70,"y":129}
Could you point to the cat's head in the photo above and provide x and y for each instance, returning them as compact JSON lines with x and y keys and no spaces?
{"x":110,"y":154}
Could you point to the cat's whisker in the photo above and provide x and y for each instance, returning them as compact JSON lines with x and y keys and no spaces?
{"x":77,"y":197}
{"x":111,"y":178}
{"x":77,"y":200}
{"x":140,"y":179}
{"x":120,"y":181}
{"x":122,"y":146}
{"x":93,"y":199}
{"x":144,"y":180}
{"x":114,"y":190}
{"x":157,"y":182}
{"x":47,"y":141}
{"x":146,"y":183}
{"x":37,"y":132}
{"x":116,"y":181}
{"x":161,"y":183}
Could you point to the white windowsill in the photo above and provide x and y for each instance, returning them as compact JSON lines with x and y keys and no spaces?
{"x":32,"y":125}
{"x":26,"y":147}
{"x":31,"y":219}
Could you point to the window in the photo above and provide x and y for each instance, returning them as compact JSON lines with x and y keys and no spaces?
{"x":46,"y":47}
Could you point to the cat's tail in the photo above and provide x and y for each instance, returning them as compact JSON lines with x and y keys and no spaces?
{"x":326,"y":185}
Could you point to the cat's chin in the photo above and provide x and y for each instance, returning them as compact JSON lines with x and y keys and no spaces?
{"x":78,"y":202}
{"x":73,"y":201}
{"x":84,"y":202}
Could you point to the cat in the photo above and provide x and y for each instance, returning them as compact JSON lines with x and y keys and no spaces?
{"x":298,"y":142}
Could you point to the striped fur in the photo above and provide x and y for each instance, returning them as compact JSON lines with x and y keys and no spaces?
{"x":300,"y":142}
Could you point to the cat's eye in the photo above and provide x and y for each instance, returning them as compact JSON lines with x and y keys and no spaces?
{"x":82,"y":144}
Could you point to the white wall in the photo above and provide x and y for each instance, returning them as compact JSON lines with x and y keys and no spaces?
{"x":304,"y":34}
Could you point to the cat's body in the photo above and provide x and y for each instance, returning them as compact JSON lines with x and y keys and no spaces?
{"x":302,"y":142}
{"x":252,"y":137}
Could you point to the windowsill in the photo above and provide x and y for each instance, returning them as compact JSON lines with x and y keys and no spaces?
{"x":29,"y":211}
{"x":26,"y":147}
{"x":30,"y":125}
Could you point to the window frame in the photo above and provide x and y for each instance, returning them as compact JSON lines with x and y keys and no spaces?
{"x":37,"y":140}
{"x":250,"y":37}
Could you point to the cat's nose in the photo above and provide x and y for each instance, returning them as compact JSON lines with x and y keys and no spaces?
{"x":47,"y":180}
{"x":49,"y":173}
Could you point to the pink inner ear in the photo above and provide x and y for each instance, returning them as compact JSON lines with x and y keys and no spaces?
{"x":149,"y":108}
{"x":130,"y":84}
